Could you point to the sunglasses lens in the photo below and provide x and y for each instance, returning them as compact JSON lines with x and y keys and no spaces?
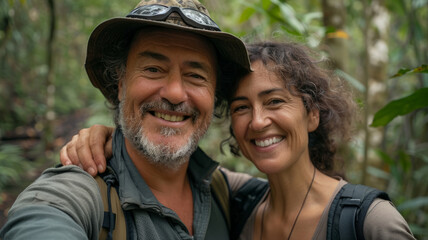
{"x":160,"y":12}
{"x":150,"y":10}
{"x":199,"y":17}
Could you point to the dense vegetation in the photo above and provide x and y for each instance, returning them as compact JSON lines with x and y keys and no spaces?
{"x":379,"y":47}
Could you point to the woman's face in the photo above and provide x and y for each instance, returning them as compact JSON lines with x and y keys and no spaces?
{"x":270,"y":124}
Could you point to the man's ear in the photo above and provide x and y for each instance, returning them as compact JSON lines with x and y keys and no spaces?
{"x":313,"y":120}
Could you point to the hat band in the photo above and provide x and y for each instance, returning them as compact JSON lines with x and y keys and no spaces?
{"x":190,"y":16}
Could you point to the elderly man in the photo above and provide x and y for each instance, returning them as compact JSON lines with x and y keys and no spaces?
{"x":158,"y":67}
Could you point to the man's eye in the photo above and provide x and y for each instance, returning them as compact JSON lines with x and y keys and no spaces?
{"x":152,"y":69}
{"x":197,"y":76}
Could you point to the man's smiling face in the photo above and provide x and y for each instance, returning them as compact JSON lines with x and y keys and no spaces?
{"x":167,"y":94}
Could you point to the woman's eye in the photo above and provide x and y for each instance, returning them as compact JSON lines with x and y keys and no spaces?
{"x":239,"y":108}
{"x":275,"y":101}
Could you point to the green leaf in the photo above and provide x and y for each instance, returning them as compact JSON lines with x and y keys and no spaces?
{"x":399,"y":107}
{"x":385,"y":157}
{"x":413,"y":204}
{"x":422,"y":69}
{"x":378,"y":173}
{"x":405,"y":161}
{"x":289,"y":16}
{"x":354,"y":82}
{"x":266,"y":4}
{"x":307,"y":18}
{"x":246,"y":14}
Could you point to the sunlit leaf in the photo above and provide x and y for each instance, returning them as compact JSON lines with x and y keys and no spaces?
{"x":399,"y":107}
{"x":307,"y":18}
{"x":266,"y":4}
{"x":422,"y":69}
{"x":289,"y":16}
{"x":246,"y":14}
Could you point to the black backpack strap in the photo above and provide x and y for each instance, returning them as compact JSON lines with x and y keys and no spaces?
{"x":370,"y":195}
{"x":348,"y":211}
{"x":351,"y":200}
{"x":243,"y":203}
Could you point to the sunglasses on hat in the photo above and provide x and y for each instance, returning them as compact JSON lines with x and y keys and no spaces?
{"x":160,"y":12}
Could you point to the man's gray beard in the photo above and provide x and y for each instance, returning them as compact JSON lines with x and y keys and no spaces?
{"x":164,"y":155}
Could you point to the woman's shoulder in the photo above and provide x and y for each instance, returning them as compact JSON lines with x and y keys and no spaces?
{"x":383,"y":221}
{"x":375,"y":226}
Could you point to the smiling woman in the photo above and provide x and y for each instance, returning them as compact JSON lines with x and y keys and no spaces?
{"x":269,"y":123}
{"x":294,"y":75}
{"x":286,"y":118}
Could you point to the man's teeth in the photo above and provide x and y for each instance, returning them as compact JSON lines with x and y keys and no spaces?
{"x":268,"y":142}
{"x":167,"y":117}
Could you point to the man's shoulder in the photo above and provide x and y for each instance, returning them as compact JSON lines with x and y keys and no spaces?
{"x":57,"y":185}
{"x":69,"y":194}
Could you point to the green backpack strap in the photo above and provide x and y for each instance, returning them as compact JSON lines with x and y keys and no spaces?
{"x":114,"y":223}
{"x":244,"y":201}
{"x":237,"y":208}
{"x":348,"y":211}
{"x":220,"y":188}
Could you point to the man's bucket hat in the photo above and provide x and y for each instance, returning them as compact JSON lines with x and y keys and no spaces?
{"x":182,"y":15}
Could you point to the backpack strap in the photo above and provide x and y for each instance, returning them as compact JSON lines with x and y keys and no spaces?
{"x":237,"y":208}
{"x":114,"y":224}
{"x":220,"y":189}
{"x":349,"y":209}
{"x":243,"y":203}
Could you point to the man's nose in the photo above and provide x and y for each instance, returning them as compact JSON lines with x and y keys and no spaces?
{"x":174,"y":90}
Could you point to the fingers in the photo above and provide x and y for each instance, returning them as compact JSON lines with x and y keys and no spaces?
{"x":99,"y":136}
{"x":89,"y":149}
{"x":68,"y":154}
{"x":108,"y":148}
{"x":63,"y":156}
{"x":84,"y":152}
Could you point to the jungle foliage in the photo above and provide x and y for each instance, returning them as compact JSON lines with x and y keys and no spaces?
{"x":379,"y":47}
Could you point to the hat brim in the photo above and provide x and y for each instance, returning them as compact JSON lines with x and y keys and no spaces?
{"x":109,"y":33}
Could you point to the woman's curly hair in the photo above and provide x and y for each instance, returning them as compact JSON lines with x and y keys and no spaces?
{"x":317,"y":87}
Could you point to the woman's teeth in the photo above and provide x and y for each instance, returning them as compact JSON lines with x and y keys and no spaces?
{"x":268,"y":142}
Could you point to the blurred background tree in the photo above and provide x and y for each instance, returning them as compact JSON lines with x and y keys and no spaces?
{"x":379,"y":47}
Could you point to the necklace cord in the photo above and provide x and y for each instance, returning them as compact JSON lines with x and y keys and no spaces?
{"x":298,"y":214}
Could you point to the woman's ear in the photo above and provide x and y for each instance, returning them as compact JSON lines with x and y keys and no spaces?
{"x":313,"y":120}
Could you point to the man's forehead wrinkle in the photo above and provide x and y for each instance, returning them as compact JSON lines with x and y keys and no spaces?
{"x":199,"y":65}
{"x":154,"y":55}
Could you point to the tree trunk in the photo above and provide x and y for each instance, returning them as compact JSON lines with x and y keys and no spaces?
{"x":377,"y":20}
{"x":334,"y":15}
{"x":48,"y":136}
